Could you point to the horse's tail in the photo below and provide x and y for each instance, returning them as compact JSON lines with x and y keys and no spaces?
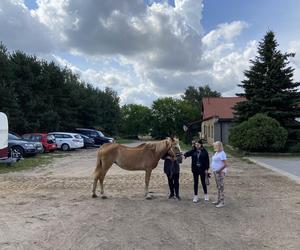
{"x":99,"y":163}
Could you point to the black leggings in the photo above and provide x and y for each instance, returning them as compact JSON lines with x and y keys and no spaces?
{"x":174,"y":184}
{"x":196,"y":181}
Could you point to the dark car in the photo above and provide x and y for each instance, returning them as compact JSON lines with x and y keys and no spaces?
{"x":48,"y":141}
{"x":88,"y":142}
{"x":97,"y":135}
{"x":22,"y":146}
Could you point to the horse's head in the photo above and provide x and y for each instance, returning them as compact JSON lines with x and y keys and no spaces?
{"x":176,"y":146}
{"x":173,"y":147}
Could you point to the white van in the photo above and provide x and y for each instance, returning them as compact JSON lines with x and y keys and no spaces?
{"x":67,"y":141}
{"x":7,"y":156}
{"x":3,"y":136}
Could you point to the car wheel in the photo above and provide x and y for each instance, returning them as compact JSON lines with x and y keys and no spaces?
{"x":19,"y":150}
{"x":65,"y":147}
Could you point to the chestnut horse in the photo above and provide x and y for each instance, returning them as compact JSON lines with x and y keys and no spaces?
{"x":143,"y":157}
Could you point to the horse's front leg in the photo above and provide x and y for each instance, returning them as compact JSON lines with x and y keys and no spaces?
{"x":147,"y":180}
{"x":94,"y":187}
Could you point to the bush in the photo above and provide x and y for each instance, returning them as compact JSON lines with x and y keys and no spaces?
{"x":295,"y":148}
{"x":259,"y":134}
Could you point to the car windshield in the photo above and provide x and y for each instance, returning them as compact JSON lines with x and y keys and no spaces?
{"x":50,"y":137}
{"x":101,"y":134}
{"x":13,"y":137}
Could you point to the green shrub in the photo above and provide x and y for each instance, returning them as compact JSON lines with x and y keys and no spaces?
{"x":295,"y":148}
{"x":259,"y":134}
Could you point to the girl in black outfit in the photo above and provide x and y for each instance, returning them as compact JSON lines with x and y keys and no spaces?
{"x":172,"y":170}
{"x":200,"y":166}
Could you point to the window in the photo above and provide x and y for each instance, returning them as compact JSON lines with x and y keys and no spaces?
{"x":36,"y":138}
{"x":93,"y":134}
{"x":58,"y":136}
{"x":67,"y":136}
{"x":26,"y":136}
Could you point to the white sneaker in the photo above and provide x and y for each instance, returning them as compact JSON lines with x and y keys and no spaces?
{"x":206,"y":197}
{"x":220,"y":205}
{"x":195,"y":200}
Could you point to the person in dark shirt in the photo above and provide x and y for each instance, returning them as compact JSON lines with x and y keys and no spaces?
{"x":172,"y":171}
{"x":200,"y":166}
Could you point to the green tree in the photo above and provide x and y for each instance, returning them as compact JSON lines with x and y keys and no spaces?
{"x":194,"y":95}
{"x":269,"y":87}
{"x":9,"y":99}
{"x":169,"y":116}
{"x":135,"y":120}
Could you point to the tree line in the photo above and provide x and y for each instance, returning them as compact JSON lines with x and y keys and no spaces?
{"x":40,"y":96}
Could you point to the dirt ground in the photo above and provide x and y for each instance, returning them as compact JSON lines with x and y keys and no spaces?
{"x":51,"y":208}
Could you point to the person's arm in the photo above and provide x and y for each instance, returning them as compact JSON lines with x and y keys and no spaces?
{"x":225,"y":165}
{"x":206,"y":160}
{"x":188,"y":154}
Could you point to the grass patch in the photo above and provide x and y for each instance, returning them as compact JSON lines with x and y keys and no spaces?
{"x":233,"y":152}
{"x":31,"y":162}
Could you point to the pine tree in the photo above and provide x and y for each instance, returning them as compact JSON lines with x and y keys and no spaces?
{"x":269,"y":88}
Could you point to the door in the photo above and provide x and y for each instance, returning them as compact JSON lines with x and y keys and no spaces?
{"x":3,"y":136}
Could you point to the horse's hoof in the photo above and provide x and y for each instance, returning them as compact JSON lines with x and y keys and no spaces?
{"x":104,"y":197}
{"x":94,"y":196}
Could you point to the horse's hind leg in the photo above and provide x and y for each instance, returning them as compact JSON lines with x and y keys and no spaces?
{"x":97,"y":172}
{"x":101,"y":180}
{"x":147,"y":180}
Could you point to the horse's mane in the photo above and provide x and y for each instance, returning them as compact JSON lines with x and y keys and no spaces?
{"x":157,"y":146}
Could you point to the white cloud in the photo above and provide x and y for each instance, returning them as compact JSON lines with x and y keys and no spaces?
{"x":294,"y":47}
{"x":22,"y":31}
{"x":225,"y":32}
{"x":159,"y":35}
{"x":159,"y":49}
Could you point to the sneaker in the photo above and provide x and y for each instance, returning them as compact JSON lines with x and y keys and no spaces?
{"x":171,"y":196}
{"x":220,"y":205}
{"x":195,"y":200}
{"x":177,"y":197}
{"x":215,"y":202}
{"x":206,"y":197}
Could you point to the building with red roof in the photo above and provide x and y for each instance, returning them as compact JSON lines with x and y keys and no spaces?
{"x":217,"y":117}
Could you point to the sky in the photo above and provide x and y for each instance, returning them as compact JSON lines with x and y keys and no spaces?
{"x":148,"y":49}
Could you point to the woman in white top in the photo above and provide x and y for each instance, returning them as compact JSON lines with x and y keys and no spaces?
{"x":219,"y":165}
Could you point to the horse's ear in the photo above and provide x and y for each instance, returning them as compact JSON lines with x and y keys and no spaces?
{"x":174,"y":138}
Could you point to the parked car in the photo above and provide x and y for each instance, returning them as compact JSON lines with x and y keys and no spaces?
{"x":97,"y":135}
{"x":22,"y":146}
{"x":67,"y":141}
{"x":88,"y":142}
{"x":48,"y":141}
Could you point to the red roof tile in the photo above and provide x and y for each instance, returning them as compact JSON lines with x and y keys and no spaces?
{"x":221,"y":107}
